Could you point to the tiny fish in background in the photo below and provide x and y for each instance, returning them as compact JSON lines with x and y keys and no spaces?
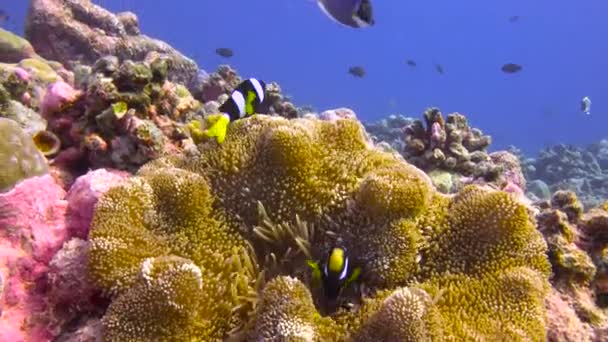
{"x":439,"y":68}
{"x":224,"y":52}
{"x":411,"y":62}
{"x":586,"y":105}
{"x":511,"y":68}
{"x":514,"y":19}
{"x":4,"y":17}
{"x":357,"y":71}
{"x":352,"y":13}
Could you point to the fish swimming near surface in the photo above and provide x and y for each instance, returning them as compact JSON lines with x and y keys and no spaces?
{"x":351,"y":13}
{"x":586,"y":105}
{"x":357,"y":71}
{"x":245,"y":100}
{"x":511,"y":68}
{"x":224,"y":52}
{"x":336,"y":272}
{"x":411,"y":62}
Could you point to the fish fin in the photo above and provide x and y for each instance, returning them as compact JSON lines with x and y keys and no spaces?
{"x":316,"y":274}
{"x":326,"y":12}
{"x":249,"y":102}
{"x":218,"y":126}
{"x":313,"y":265}
{"x":353,"y":276}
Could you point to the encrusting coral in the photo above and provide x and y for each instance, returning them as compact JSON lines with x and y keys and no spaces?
{"x":19,"y":157}
{"x":189,"y":230}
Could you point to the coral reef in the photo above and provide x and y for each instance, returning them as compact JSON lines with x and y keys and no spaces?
{"x":567,"y":167}
{"x":80,"y":32}
{"x":448,"y":144}
{"x":45,"y":281}
{"x":83,"y":196}
{"x":125,"y":115}
{"x":14,"y":48}
{"x":576,"y":307}
{"x":390,"y":130}
{"x":19,"y":156}
{"x":450,"y":151}
{"x":24,"y":77}
{"x":462,"y":267}
{"x":32,"y":230}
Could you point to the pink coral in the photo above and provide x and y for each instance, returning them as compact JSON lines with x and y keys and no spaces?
{"x":564,"y":324}
{"x":22,"y":74}
{"x":70,"y":291}
{"x":83,"y":196}
{"x":58,"y":94}
{"x":33,"y":228}
{"x":437,"y":135}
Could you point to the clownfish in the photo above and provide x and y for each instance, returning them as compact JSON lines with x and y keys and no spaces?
{"x":245,"y":100}
{"x":336,"y":273}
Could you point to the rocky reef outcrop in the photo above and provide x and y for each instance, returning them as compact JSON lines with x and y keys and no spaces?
{"x":583,"y":170}
{"x":420,"y":252}
{"x":451,"y":151}
{"x":80,"y":32}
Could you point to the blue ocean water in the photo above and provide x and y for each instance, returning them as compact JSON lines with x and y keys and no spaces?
{"x":561,"y":45}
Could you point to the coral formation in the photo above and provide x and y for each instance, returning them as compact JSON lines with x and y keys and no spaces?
{"x":180,"y":259}
{"x":451,"y":151}
{"x":390,"y":130}
{"x":45,"y":284}
{"x":127,"y":113}
{"x":31,"y":231}
{"x":576,"y":305}
{"x":567,"y":167}
{"x":80,"y":32}
{"x":19,"y":156}
{"x":476,"y":255}
{"x":14,"y":48}
{"x":286,"y":312}
{"x":448,"y":144}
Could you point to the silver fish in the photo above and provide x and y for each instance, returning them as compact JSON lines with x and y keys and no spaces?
{"x":352,"y":13}
{"x":586,"y":105}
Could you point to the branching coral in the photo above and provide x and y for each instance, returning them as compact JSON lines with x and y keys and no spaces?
{"x":454,"y":262}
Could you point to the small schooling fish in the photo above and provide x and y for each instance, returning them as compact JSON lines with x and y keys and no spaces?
{"x":411,"y":62}
{"x":336,"y":272}
{"x":352,"y":13}
{"x":244,"y":101}
{"x":586,"y":105}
